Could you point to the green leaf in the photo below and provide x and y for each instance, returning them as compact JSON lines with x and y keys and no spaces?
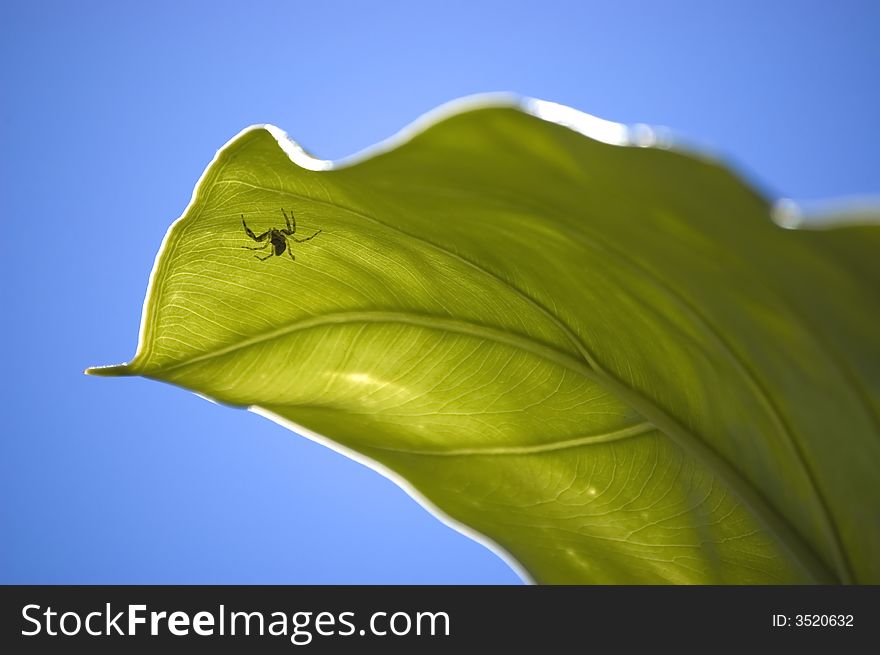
{"x":608,"y":360}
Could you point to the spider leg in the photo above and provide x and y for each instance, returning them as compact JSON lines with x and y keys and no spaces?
{"x":290,"y":252}
{"x":290,"y":228}
{"x":307,"y":238}
{"x":263,"y":247}
{"x":262,"y":259}
{"x":250,"y":233}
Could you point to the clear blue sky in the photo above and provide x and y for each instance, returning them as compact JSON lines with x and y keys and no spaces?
{"x":111,"y":110}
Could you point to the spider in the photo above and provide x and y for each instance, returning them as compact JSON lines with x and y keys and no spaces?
{"x":277,"y":238}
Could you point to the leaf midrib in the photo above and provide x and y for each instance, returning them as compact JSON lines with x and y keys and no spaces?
{"x":429,"y":321}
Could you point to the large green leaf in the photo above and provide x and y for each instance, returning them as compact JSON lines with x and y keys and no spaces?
{"x":608,"y":360}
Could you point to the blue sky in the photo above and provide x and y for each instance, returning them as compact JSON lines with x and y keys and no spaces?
{"x":111,"y":110}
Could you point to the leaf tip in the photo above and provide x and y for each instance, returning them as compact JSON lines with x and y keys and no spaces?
{"x":116,"y":370}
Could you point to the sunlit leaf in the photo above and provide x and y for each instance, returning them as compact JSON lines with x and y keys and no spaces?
{"x":606,"y":359}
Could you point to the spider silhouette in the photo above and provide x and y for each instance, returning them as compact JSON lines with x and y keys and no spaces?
{"x":277,"y":238}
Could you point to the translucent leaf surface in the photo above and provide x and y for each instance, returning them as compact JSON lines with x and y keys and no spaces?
{"x":606,"y":359}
